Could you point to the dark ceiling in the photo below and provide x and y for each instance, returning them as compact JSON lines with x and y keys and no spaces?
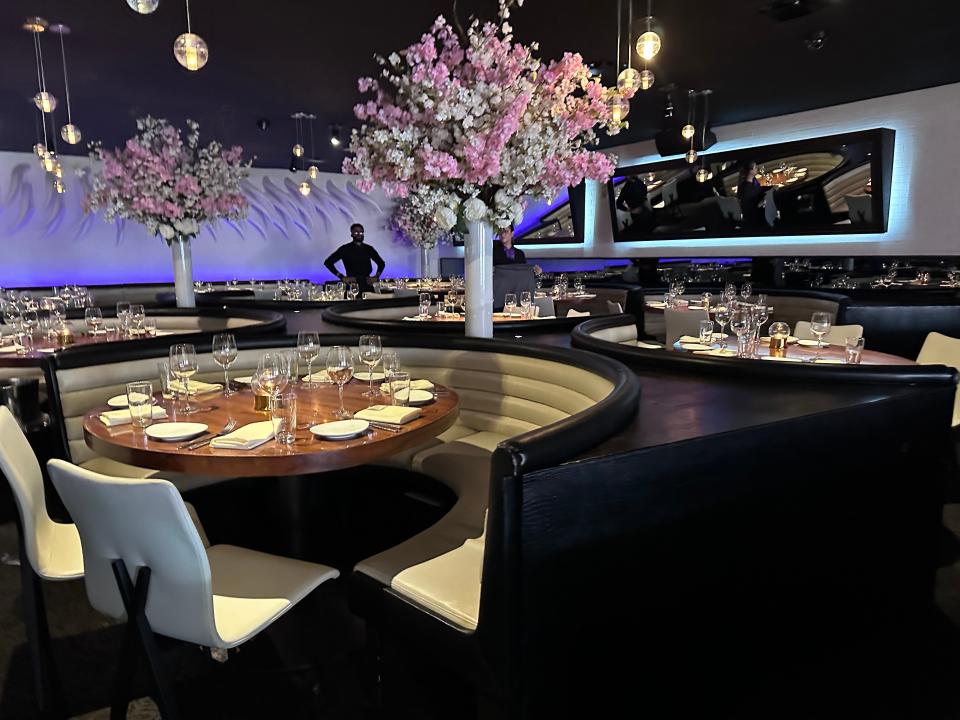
{"x":269,"y":59}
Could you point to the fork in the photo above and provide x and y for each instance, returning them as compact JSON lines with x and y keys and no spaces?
{"x":195,"y":444}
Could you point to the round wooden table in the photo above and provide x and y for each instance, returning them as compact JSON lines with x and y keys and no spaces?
{"x":308,"y":454}
{"x":807,"y":354}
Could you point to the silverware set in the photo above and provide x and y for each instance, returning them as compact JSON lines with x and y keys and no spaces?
{"x":197,"y":444}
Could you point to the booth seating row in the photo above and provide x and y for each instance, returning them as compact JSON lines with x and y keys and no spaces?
{"x":522,"y":409}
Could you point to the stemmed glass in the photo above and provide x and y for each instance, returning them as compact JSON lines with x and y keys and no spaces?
{"x":353,"y":290}
{"x":391,"y":362}
{"x":819,"y":326}
{"x":308,"y":349}
{"x":525,"y":302}
{"x":761,"y":314}
{"x":509,"y":304}
{"x":729,"y":292}
{"x":11,"y":315}
{"x":30,"y":321}
{"x":183,"y":365}
{"x":137,"y":314}
{"x":740,"y":324}
{"x":746,"y":290}
{"x":371,"y":350}
{"x":123,"y":316}
{"x":722,"y":316}
{"x":340,"y":370}
{"x":273,"y":373}
{"x":224,"y":353}
{"x":93,"y":317}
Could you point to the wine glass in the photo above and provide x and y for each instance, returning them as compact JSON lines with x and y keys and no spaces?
{"x":722,"y":316}
{"x":354,"y":290}
{"x":526,"y":300}
{"x":183,"y":365}
{"x":273,"y":373}
{"x":762,"y":314}
{"x":93,"y":317}
{"x":510,"y":304}
{"x":224,"y":354}
{"x":390,"y":362}
{"x":746,"y":290}
{"x":729,"y":292}
{"x":30,"y":321}
{"x":740,"y":324}
{"x":820,"y":326}
{"x":308,"y":348}
{"x":371,"y":350}
{"x":340,"y":370}
{"x":11,"y":314}
{"x":137,"y":314}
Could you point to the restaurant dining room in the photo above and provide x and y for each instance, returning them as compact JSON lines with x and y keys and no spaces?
{"x":479,"y":360}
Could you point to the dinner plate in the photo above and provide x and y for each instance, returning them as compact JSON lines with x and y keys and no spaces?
{"x":174,"y":431}
{"x":830,"y":361}
{"x":780,"y":359}
{"x":340,"y":429}
{"x":417,"y":397}
{"x":695,"y":346}
{"x":812,"y":343}
{"x":243,"y":379}
{"x":765,"y":339}
{"x":365,"y":376}
{"x":120,"y":401}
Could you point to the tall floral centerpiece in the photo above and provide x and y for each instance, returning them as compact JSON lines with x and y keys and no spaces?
{"x":171,"y":187}
{"x":472,"y":122}
{"x":413,"y":222}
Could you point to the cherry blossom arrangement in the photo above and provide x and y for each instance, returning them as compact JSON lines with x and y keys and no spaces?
{"x":470,"y":122}
{"x":168,"y":185}
{"x":413,"y":221}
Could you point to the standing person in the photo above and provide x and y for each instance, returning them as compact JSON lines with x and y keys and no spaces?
{"x":357,"y":259}
{"x":505,"y":253}
{"x":750,"y":195}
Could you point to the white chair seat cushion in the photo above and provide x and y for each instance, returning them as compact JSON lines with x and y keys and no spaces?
{"x":183,"y":483}
{"x":447,"y":585}
{"x":62,"y":554}
{"x":252,"y":589}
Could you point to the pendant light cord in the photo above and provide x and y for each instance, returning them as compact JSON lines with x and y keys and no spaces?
{"x":313,"y":149}
{"x":188,"y":17}
{"x":619,"y":34}
{"x":66,"y":83}
{"x":630,"y":34}
{"x":36,"y":49}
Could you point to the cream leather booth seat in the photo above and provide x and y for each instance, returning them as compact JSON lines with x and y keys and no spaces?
{"x":502,"y":396}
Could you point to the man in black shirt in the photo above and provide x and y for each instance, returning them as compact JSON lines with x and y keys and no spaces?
{"x":356,"y":258}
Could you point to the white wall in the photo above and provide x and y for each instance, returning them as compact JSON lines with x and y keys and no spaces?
{"x":924,"y":198}
{"x":47,"y":239}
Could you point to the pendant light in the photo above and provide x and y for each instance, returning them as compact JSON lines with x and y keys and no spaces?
{"x":704,"y":174}
{"x":298,"y":118}
{"x":70,"y":133}
{"x":189,"y":49}
{"x":313,"y":171}
{"x":144,"y":7}
{"x":688,"y":130}
{"x":629,"y":78}
{"x":45,"y":101}
{"x":648,"y":44}
{"x":297,"y":144}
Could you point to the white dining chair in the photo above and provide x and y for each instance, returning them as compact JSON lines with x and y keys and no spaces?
{"x":48,"y":551}
{"x":837,"y":336}
{"x":146,"y":562}
{"x":941,"y":349}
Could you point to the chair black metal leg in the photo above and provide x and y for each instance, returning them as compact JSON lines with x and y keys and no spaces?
{"x":46,"y":681}
{"x":134,"y":601}
{"x":126,"y":672}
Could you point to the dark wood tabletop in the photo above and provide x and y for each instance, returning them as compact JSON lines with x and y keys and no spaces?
{"x":307,"y":455}
{"x":830,"y":353}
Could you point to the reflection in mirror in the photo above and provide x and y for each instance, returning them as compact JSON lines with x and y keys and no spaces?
{"x":560,"y":221}
{"x":828,"y":185}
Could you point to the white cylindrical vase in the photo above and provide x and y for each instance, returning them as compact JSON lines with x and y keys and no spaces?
{"x":183,"y":271}
{"x":478,"y":276}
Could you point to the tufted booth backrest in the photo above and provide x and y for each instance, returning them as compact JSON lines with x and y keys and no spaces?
{"x":499,"y":392}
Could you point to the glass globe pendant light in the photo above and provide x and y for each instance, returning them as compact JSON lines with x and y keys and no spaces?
{"x":648,"y":44}
{"x":144,"y":7}
{"x":59,"y":186}
{"x":313,"y":171}
{"x":688,"y":130}
{"x":703,"y":175}
{"x":189,"y":49}
{"x":647,"y":78}
{"x":691,"y":156}
{"x":49,"y":161}
{"x":304,"y":188}
{"x":70,"y":133}
{"x":298,"y":150}
{"x":40,"y":149}
{"x":629,"y":78}
{"x":45,"y":101}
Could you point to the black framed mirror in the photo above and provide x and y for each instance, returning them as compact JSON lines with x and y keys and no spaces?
{"x":836,"y":184}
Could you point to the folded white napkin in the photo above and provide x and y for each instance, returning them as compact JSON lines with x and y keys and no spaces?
{"x":197,"y":387}
{"x":113,"y":418}
{"x":413,"y":317}
{"x":656,"y":304}
{"x":414,"y":385}
{"x":546,"y":317}
{"x":716,"y":352}
{"x":8,"y":348}
{"x":393,"y":414}
{"x":781,"y":359}
{"x":576,"y":313}
{"x":693,"y":339}
{"x":246,"y":438}
{"x":830,"y":361}
{"x":645,"y":346}
{"x":320,"y":376}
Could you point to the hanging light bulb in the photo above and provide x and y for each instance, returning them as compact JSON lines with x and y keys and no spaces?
{"x":688,"y":131}
{"x":59,"y":186}
{"x":691,"y":156}
{"x":703,"y":175}
{"x":144,"y":7}
{"x":619,"y":108}
{"x":189,"y":49}
{"x":40,"y":149}
{"x":335,"y":135}
{"x":648,"y":45}
{"x":49,"y":161}
{"x":628,"y":80}
{"x":298,"y":150}
{"x":304,"y":188}
{"x":647,"y":79}
{"x":313,"y":171}
{"x":45,"y":101}
{"x":69,"y":132}
{"x":57,"y":169}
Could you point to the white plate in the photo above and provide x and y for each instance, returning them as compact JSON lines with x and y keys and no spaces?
{"x":418,"y":397}
{"x":695,"y":346}
{"x":365,"y":376}
{"x":830,"y":361}
{"x":340,"y":429}
{"x":811,"y":343}
{"x":120,"y":401}
{"x":174,"y":431}
{"x":781,"y":359}
{"x":243,"y":380}
{"x":47,"y":350}
{"x":765,"y":339}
